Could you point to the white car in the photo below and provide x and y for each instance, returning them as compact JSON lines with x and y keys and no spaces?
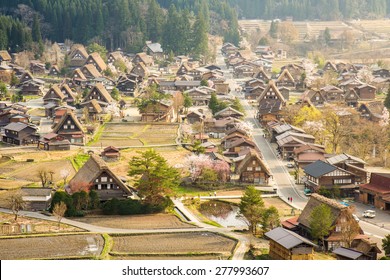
{"x":369,"y":214}
{"x":290,"y":165}
{"x":356,"y":218}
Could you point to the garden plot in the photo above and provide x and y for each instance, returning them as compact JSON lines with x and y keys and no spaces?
{"x":155,"y":221}
{"x":174,"y":243}
{"x":51,"y":247}
{"x":136,"y":134}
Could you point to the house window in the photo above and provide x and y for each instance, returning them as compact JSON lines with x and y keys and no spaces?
{"x":108,"y":186}
{"x":99,"y":187}
{"x":65,"y":126}
{"x":258,"y":168}
{"x":317,"y":98}
{"x":97,"y":180}
{"x":72,"y":140}
{"x":254,"y":162}
{"x":342,"y":181}
{"x":68,"y":121}
{"x":110,"y":179}
{"x":338,"y":228}
{"x":249,"y":168}
{"x":104,"y":179}
{"x":72,"y":126}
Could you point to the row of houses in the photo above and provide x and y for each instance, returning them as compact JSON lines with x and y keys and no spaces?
{"x":346,"y":240}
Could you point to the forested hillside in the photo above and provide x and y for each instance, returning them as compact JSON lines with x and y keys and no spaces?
{"x":312,"y":9}
{"x":127,"y":24}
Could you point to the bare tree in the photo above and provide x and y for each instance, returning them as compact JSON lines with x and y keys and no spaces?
{"x":349,"y":228}
{"x":59,"y":212}
{"x":16,"y":203}
{"x":44,"y":176}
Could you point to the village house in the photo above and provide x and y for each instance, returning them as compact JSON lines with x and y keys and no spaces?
{"x":6,"y":73}
{"x":32,"y":87}
{"x":366,"y":92}
{"x":308,"y":154}
{"x":377,"y":191}
{"x":342,"y":219}
{"x":287,"y":145}
{"x":329,"y":66}
{"x":37,"y":199}
{"x":234,"y":147}
{"x":287,"y":245}
{"x":101,"y":178}
{"x":276,"y":129}
{"x":5,"y":58}
{"x":219,"y":128}
{"x":262,"y":75}
{"x":228,"y":112}
{"x":90,"y":71}
{"x":332,"y":93}
{"x":295,"y":70}
{"x":351,"y":98}
{"x":147,"y":60}
{"x":54,"y":95}
{"x":362,"y":249}
{"x":252,"y":169}
{"x":53,"y":142}
{"x":78,"y":57}
{"x":96,"y":60}
{"x":253,"y":93}
{"x":100,"y":94}
{"x":160,"y":111}
{"x":115,"y":56}
{"x":37,"y":67}
{"x":313,"y":97}
{"x":352,"y":164}
{"x":243,"y":71}
{"x":154,"y":50}
{"x":20,"y":133}
{"x":140,"y":70}
{"x":78,"y":77}
{"x":322,"y":174}
{"x":110,"y":153}
{"x":271,"y":102}
{"x":54,"y":71}
{"x":127,"y":84}
{"x":308,"y":138}
{"x":383,"y":73}
{"x":285,"y":79}
{"x":70,"y":128}
{"x":94,"y":110}
{"x":70,"y":96}
{"x":194,"y":117}
{"x":372,"y":111}
{"x":198,"y":96}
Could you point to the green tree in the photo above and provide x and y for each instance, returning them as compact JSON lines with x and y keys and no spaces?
{"x":200,"y":38}
{"x":187,"y":103}
{"x":197,"y":148}
{"x":3,"y":90}
{"x":115,"y":94}
{"x":213,"y":103}
{"x":263,"y":41}
{"x":101,"y":50}
{"x":274,"y":29}
{"x":93,"y":200}
{"x":237,"y":105}
{"x":321,"y":221}
{"x":270,"y":219}
{"x":36,"y":29}
{"x":386,"y":244}
{"x":252,"y":208}
{"x":156,"y":179}
{"x":327,"y":36}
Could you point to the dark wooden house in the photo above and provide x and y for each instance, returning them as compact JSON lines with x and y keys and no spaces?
{"x":101,"y":178}
{"x":54,"y":95}
{"x":252,"y":169}
{"x":20,"y":134}
{"x":53,"y":142}
{"x":377,"y":191}
{"x":70,"y":128}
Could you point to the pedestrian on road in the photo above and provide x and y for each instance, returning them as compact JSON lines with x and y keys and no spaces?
{"x":215,"y":193}
{"x":291,"y":199}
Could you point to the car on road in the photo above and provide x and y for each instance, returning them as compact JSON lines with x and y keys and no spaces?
{"x":290,"y":165}
{"x":369,"y":214}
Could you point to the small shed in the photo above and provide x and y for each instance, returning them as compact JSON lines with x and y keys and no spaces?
{"x":111,"y":153}
{"x":287,"y":245}
{"x":37,"y":199}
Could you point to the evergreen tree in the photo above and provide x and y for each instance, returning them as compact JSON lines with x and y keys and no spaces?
{"x":321,"y":220}
{"x":252,"y":208}
{"x":200,"y":38}
{"x":156,"y":179}
{"x":36,"y":29}
{"x":387,"y":99}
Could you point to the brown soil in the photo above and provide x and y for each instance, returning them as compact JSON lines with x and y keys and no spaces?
{"x":74,"y":246}
{"x":156,"y":221}
{"x":165,"y":243}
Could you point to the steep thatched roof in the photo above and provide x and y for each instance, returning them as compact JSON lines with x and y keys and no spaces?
{"x":317,"y":200}
{"x":253,"y":155}
{"x":92,"y":169}
{"x":70,"y":114}
{"x":98,"y":60}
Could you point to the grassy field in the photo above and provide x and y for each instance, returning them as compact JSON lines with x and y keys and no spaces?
{"x":174,"y":243}
{"x":51,"y":247}
{"x":135,"y":134}
{"x":155,"y":221}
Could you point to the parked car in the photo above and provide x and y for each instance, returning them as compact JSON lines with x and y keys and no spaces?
{"x":369,"y":214}
{"x":290,"y":165}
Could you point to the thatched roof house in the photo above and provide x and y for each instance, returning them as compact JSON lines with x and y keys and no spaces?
{"x":96,"y":173}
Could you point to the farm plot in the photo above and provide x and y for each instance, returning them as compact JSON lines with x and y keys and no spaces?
{"x":30,"y":171}
{"x":136,"y":134}
{"x":52,"y":247}
{"x":174,"y":243}
{"x":156,"y":221}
